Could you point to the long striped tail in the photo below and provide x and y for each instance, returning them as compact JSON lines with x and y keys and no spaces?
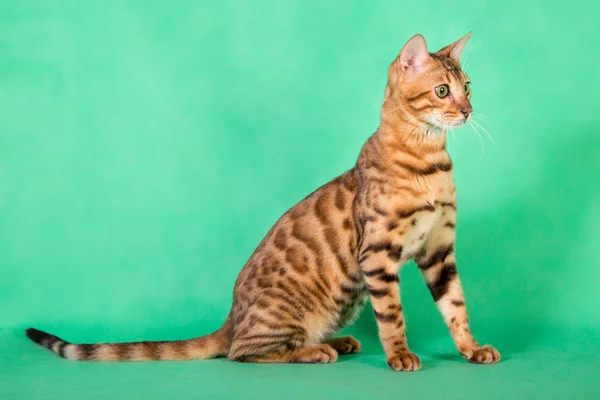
{"x":214,"y":345}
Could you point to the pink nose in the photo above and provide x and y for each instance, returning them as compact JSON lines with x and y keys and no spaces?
{"x":466,"y":111}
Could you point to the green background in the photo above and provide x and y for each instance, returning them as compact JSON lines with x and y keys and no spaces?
{"x":147,"y":146}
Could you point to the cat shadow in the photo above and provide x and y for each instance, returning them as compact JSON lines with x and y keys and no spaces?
{"x":512,"y":261}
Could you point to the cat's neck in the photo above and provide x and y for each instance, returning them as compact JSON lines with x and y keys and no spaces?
{"x":398,"y":129}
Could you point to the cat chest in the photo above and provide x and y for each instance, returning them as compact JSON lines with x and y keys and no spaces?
{"x":419,"y":230}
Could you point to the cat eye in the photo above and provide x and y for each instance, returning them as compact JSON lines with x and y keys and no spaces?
{"x":467,"y":88}
{"x":442,"y":91}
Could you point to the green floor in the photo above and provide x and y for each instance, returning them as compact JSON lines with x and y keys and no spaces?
{"x":555,"y":364}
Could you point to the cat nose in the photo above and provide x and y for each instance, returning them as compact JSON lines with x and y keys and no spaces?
{"x":466,"y":111}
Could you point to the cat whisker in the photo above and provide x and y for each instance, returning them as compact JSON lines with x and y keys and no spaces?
{"x":445,"y":130}
{"x":394,"y":109}
{"x":478,"y":135}
{"x":451,"y":130}
{"x":484,"y":130}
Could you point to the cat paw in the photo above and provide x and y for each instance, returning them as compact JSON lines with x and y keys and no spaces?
{"x":483,"y":355}
{"x":320,"y":354}
{"x":405,"y":361}
{"x":345,"y":345}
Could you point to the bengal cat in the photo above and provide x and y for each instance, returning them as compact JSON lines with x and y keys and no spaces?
{"x":313,"y":272}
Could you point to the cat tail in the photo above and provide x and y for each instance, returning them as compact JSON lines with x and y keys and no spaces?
{"x":210,"y":346}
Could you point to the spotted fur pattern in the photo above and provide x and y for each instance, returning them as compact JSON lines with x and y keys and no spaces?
{"x":343,"y":244}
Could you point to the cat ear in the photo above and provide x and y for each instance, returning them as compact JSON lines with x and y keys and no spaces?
{"x":455,"y":49}
{"x":414,"y":55}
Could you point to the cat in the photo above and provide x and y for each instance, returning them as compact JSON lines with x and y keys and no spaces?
{"x":344,"y":243}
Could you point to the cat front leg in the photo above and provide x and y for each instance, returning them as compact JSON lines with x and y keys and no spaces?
{"x":438,"y":265}
{"x":379,"y":259}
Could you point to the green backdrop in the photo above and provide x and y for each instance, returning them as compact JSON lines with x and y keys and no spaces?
{"x":147,"y":146}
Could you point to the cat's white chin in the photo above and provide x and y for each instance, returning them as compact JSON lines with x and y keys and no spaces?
{"x":456,"y":124}
{"x":443,"y":123}
{"x":453,"y":123}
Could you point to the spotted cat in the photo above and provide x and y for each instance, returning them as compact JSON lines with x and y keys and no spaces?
{"x":343,"y":244}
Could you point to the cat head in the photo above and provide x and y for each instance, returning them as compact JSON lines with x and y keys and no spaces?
{"x":430,"y":88}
